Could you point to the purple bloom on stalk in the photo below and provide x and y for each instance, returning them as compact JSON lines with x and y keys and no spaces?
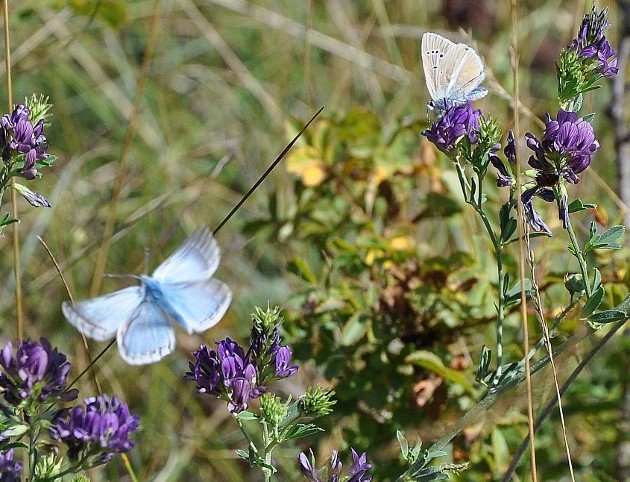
{"x":36,"y":370}
{"x":458,"y":121}
{"x":357,"y":472}
{"x":307,"y":468}
{"x":565,"y":149}
{"x":563,"y":152}
{"x":227,"y":373}
{"x":359,"y":467}
{"x":10,"y":470}
{"x":268,"y":354}
{"x":97,"y":431}
{"x":591,"y":42}
{"x":20,"y":137}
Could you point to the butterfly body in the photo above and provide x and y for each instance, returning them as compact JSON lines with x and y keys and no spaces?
{"x":453,"y":72}
{"x":181,"y":290}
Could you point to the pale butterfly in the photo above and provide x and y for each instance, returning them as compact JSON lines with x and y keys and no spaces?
{"x":453,"y":71}
{"x":181,"y":290}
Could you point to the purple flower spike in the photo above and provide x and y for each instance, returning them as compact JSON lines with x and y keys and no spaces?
{"x":565,"y":149}
{"x":227,"y":373}
{"x":19,"y":137}
{"x":357,"y":472}
{"x":359,"y":468}
{"x":36,"y":370}
{"x":458,"y":121}
{"x":307,"y":468}
{"x":591,"y":42}
{"x":98,"y":431}
{"x":10,"y":470}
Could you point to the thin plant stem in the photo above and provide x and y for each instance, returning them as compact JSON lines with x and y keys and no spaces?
{"x":250,"y":442}
{"x":546,"y":339}
{"x":495,"y":393}
{"x":19,"y":315}
{"x":128,"y":467}
{"x":521,"y":239}
{"x":580,"y":257}
{"x":498,"y":254}
{"x":268,"y":447}
{"x":565,"y":386}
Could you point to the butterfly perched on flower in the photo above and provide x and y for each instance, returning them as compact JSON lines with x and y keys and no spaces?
{"x":453,"y":72}
{"x":180,"y":291}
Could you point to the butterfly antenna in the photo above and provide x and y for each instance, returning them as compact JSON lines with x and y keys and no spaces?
{"x":266,"y":173}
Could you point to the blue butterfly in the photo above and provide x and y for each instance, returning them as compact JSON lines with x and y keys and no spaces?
{"x":453,"y":72}
{"x":180,"y":290}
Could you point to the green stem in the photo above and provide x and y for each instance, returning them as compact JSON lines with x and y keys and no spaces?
{"x":252,"y":445}
{"x":498,"y":255}
{"x":580,"y":257}
{"x":268,"y":447}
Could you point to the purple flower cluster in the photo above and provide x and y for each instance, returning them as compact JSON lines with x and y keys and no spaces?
{"x":36,"y":371}
{"x":357,"y":472}
{"x":457,"y":122}
{"x":565,"y":149}
{"x":97,"y":431}
{"x":10,"y":470}
{"x":238,"y":377}
{"x":563,"y":152}
{"x":18,"y":136}
{"x":227,"y":373}
{"x":591,"y":42}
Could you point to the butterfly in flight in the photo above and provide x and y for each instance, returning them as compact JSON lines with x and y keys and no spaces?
{"x":453,"y":72}
{"x":180,"y":291}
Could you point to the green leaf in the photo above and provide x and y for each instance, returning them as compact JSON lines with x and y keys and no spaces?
{"x":597,"y":281}
{"x":577,"y":205}
{"x":430,"y":361}
{"x":613,"y":234}
{"x":300,"y":430}
{"x":513,"y":295}
{"x":6,"y":219}
{"x":592,"y":303}
{"x":404,"y":445}
{"x":354,"y":329}
{"x":301,"y":268}
{"x":242,"y":454}
{"x":484,"y":364}
{"x":608,"y":316}
{"x":624,"y":305}
{"x":247,"y":416}
{"x":607,"y":240}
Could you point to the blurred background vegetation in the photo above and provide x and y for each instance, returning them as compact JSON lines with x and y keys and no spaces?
{"x":360,"y":234}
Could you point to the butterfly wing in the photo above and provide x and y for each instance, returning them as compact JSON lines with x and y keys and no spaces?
{"x":147,"y":336}
{"x":99,"y":318}
{"x":196,"y":259}
{"x":464,"y":70}
{"x":434,"y":49}
{"x":452,"y":71}
{"x":198,"y":305}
